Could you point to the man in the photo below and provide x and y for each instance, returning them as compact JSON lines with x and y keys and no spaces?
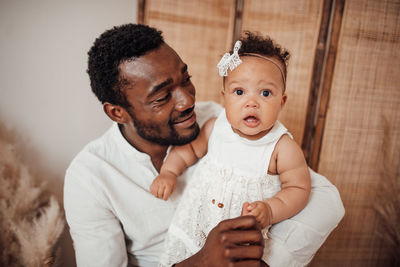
{"x":114,"y":220}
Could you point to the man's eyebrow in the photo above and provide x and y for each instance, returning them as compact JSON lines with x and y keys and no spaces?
{"x":160,"y":86}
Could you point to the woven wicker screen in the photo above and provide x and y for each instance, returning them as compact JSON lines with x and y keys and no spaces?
{"x":362,"y":129}
{"x":294,"y":25}
{"x":200,"y":32}
{"x":362,"y":118}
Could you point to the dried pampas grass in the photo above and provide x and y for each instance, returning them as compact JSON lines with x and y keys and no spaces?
{"x":387,"y":204}
{"x":31,"y":219}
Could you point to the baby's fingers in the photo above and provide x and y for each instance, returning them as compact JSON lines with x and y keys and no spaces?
{"x":154,"y":189}
{"x":167,"y":192}
{"x":245,"y":209}
{"x":160,"y":191}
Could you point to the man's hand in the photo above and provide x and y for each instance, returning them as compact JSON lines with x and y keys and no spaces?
{"x":163,"y":185}
{"x":235,"y":242}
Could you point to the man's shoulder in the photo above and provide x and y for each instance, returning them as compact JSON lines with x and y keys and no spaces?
{"x":206,"y":110}
{"x":93,"y":151}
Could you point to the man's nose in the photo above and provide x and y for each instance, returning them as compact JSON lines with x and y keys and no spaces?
{"x":184,"y":99}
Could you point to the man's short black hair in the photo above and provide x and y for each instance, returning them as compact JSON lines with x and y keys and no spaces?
{"x":112,"y":48}
{"x":253,"y":42}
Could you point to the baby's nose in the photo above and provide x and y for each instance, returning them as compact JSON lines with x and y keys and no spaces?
{"x":251,"y":104}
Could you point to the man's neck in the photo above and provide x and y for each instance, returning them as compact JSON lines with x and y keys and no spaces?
{"x":155,"y":151}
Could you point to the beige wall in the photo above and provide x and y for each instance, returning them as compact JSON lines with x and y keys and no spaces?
{"x":45,"y":95}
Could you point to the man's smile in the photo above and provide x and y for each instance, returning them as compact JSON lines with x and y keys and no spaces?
{"x":186,"y":121}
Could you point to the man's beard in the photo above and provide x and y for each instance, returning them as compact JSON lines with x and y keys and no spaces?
{"x":151,"y":132}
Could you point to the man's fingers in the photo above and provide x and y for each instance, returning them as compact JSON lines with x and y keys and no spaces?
{"x":245,"y":252}
{"x":234,"y":242}
{"x":243,"y":222}
{"x":239,"y":237}
{"x":247,"y":263}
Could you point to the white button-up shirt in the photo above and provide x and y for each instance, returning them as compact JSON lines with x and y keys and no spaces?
{"x":114,"y":220}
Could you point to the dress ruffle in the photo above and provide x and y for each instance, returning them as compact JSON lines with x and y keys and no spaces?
{"x":215,"y":193}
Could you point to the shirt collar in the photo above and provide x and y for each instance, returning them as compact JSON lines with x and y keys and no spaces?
{"x":125,"y":146}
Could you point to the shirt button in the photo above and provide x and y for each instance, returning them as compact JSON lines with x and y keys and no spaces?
{"x":213,"y":201}
{"x":220,"y":205}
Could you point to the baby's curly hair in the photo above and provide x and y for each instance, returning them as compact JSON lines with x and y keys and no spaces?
{"x":253,"y":42}
{"x":113,"y":47}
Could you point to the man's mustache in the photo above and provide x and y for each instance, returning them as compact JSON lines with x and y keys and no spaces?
{"x":183,"y":114}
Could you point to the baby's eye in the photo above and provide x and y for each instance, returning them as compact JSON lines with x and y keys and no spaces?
{"x":266,"y":93}
{"x":238,"y":91}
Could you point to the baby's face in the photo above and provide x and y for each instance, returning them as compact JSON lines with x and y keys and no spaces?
{"x":254,"y":96}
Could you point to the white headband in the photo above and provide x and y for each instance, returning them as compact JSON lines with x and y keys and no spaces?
{"x":232,"y":61}
{"x":229,"y":61}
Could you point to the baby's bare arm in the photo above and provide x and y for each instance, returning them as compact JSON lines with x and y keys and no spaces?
{"x":182,"y":157}
{"x":178,"y":160}
{"x":295,"y":178}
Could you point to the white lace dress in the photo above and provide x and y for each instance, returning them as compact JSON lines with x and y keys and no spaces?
{"x":233,"y":171}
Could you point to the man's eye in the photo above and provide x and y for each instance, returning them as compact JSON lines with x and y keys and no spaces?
{"x":238,"y":91}
{"x":162,"y":99}
{"x":266,"y":93}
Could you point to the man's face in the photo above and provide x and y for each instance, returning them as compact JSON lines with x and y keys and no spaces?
{"x":161,"y":97}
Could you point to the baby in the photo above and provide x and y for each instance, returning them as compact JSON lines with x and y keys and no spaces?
{"x":251,"y":164}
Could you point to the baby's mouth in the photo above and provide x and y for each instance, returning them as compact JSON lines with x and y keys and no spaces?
{"x":251,"y":121}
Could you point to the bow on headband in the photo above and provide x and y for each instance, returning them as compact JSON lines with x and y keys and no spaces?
{"x":229,"y":61}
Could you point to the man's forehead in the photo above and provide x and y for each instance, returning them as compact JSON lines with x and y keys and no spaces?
{"x":161,"y":61}
{"x":161,"y":55}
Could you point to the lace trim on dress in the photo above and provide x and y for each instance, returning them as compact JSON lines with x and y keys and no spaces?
{"x":215,"y":193}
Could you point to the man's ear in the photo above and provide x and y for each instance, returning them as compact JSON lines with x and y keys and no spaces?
{"x":283,"y":102}
{"x":116,"y":113}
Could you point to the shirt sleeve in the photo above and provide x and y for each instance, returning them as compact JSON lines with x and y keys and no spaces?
{"x":295,"y":241}
{"x":96,"y":233}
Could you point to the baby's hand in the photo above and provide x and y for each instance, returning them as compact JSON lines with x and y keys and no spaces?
{"x":260,"y":210}
{"x":163,"y":185}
